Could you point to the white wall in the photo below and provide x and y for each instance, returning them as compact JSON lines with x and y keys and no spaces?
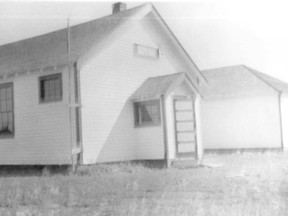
{"x":241,"y":123}
{"x":41,"y":130}
{"x":149,"y":143}
{"x":198,"y":115}
{"x":284,"y":114}
{"x":107,"y":82}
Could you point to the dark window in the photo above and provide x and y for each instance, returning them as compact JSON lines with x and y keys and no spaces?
{"x":6,"y":110}
{"x":147,"y":113}
{"x":51,"y":88}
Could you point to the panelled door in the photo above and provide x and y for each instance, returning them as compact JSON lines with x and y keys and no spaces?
{"x":185,"y":127}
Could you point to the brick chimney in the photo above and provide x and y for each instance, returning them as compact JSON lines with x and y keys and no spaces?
{"x":118,"y":7}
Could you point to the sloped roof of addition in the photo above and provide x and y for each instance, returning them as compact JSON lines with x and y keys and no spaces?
{"x":239,"y":81}
{"x":154,"y":87}
{"x":51,"y":49}
{"x":273,"y":82}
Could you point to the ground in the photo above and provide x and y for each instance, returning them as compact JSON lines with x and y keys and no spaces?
{"x":234,"y":184}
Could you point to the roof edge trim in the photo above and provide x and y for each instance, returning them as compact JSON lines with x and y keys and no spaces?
{"x":263,"y":80}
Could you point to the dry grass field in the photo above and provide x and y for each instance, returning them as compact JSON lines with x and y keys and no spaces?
{"x":242,"y":184}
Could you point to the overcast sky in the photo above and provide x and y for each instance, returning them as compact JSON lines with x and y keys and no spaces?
{"x":214,"y":33}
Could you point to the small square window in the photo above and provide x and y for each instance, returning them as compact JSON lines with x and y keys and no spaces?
{"x":147,"y":113}
{"x":50,"y":88}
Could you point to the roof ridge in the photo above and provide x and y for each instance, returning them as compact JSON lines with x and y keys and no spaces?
{"x":74,"y":26}
{"x":13,"y":58}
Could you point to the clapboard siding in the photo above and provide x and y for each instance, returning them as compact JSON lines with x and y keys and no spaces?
{"x":241,"y":123}
{"x":149,"y":143}
{"x":41,"y":129}
{"x":107,"y":82}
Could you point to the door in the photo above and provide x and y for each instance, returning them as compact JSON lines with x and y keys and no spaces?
{"x":185,"y":127}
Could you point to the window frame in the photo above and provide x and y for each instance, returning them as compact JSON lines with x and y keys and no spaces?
{"x":11,"y":135}
{"x":137,"y":47}
{"x":137,"y":116}
{"x":47,"y":77}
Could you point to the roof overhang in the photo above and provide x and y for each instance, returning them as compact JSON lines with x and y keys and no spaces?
{"x":155,"y":87}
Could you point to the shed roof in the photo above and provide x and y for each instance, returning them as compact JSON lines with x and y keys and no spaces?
{"x":154,"y":87}
{"x":51,"y":49}
{"x":239,"y":81}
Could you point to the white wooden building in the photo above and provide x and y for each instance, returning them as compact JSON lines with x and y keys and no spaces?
{"x":58,"y":107}
{"x":244,"y":109}
{"x":123,"y":88}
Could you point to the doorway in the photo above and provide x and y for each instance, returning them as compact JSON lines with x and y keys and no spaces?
{"x":185,"y":127}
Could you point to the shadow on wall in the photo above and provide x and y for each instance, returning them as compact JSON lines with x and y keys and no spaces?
{"x":120,"y":143}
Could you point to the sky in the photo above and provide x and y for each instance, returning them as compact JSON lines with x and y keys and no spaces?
{"x":214,"y":33}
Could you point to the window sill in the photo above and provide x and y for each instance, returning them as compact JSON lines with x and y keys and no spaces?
{"x":52,"y":101}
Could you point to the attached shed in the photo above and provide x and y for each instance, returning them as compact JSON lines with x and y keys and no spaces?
{"x":243,"y":109}
{"x":169,"y":103}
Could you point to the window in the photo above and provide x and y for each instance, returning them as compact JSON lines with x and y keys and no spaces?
{"x":145,"y":51}
{"x":147,"y":113}
{"x":6,"y":110}
{"x":50,"y":88}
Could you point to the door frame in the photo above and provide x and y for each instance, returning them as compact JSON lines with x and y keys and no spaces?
{"x":184,"y":97}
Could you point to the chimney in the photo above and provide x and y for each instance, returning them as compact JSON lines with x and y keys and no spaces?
{"x":118,"y":7}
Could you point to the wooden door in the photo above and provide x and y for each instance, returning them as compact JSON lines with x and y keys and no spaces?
{"x":185,"y":127}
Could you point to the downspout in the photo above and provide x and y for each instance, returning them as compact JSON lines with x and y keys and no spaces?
{"x":69,"y":94}
{"x":79,"y":103}
{"x":280,"y":120}
{"x":164,"y":127}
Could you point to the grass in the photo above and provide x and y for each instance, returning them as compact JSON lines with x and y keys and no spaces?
{"x":246,"y":184}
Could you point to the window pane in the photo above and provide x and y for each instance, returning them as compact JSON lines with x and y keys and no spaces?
{"x":153,"y":112}
{"x":50,"y":88}
{"x":57,"y":89}
{"x":9,"y":93}
{"x":46,"y":88}
{"x":10,"y":122}
{"x":3,"y":106}
{"x":2,"y":94}
{"x":147,"y":113}
{"x":6,"y":109}
{"x":145,"y":116}
{"x":9,"y":105}
{"x":42,"y":90}
{"x":5,"y":118}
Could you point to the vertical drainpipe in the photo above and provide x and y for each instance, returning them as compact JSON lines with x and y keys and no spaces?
{"x":164,"y":127}
{"x":69,"y":94}
{"x":79,"y":103}
{"x":280,"y":119}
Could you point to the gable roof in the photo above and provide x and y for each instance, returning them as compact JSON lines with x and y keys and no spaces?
{"x":154,"y":87}
{"x":239,"y":81}
{"x":52,"y":48}
{"x":278,"y":85}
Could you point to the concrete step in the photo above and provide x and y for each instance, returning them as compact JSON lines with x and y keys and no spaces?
{"x":184,"y":164}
